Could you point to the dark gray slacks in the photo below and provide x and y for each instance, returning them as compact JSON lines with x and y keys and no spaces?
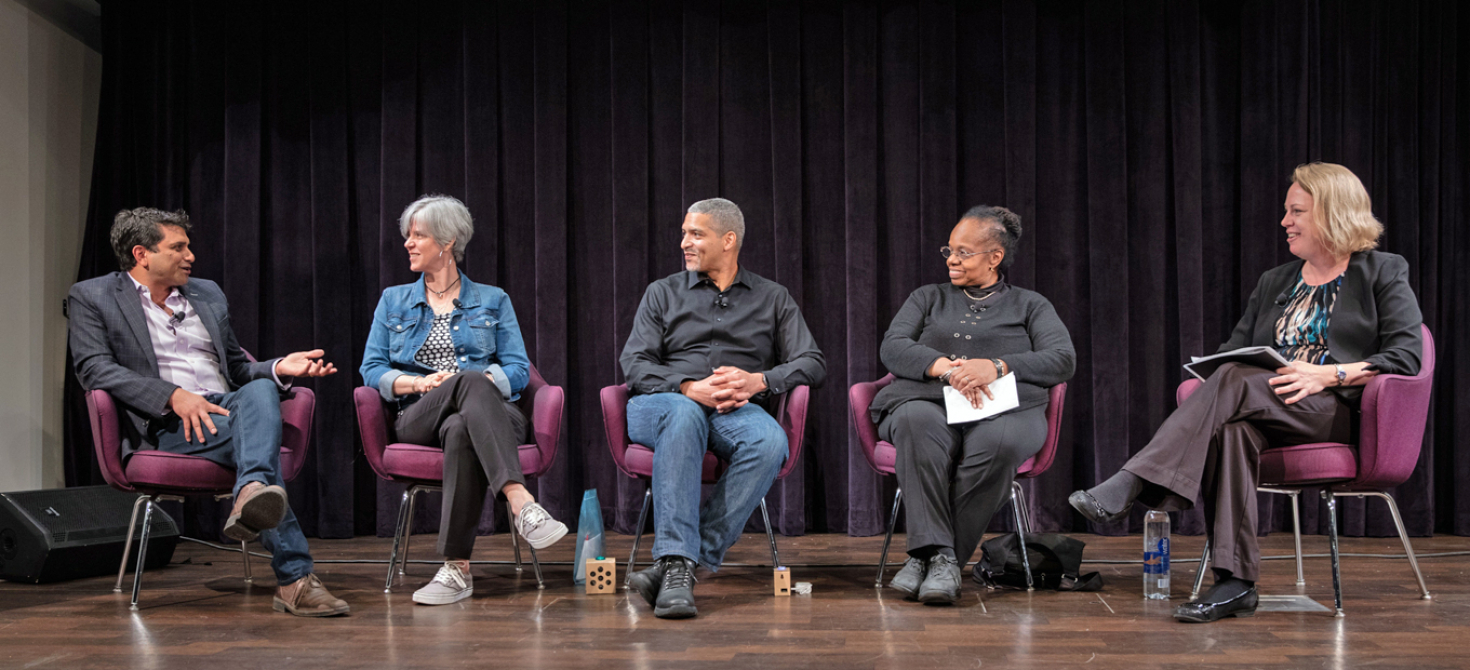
{"x":481,"y":433}
{"x":954,"y":478}
{"x":1210,"y":449}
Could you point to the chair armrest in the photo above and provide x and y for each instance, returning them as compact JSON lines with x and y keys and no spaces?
{"x":107,"y":438}
{"x":1391,"y":434}
{"x":859,"y":399}
{"x":546,"y":420}
{"x":615,"y":423}
{"x":1186,"y":389}
{"x":372,"y":423}
{"x":792,"y":417}
{"x":298,"y":408}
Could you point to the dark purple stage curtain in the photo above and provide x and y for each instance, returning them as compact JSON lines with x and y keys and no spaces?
{"x":1147,"y":146}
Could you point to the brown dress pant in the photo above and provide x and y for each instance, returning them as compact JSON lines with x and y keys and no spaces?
{"x":1210,"y":450}
{"x":481,"y":434}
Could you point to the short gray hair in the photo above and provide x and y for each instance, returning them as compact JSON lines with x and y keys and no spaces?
{"x":725,"y":215}
{"x":441,"y":217}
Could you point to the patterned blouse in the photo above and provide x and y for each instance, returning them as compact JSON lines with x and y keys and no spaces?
{"x":1301,"y":332}
{"x":438,"y":350}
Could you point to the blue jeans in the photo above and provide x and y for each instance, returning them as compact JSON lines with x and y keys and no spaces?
{"x":680,"y":430}
{"x":249,"y":440}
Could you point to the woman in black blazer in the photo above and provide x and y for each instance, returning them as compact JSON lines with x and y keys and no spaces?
{"x":1341,"y":314}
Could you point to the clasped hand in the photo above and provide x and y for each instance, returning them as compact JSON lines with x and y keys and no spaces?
{"x":971,"y":377}
{"x":430,"y":382}
{"x":727,"y":389}
{"x":1302,"y":378}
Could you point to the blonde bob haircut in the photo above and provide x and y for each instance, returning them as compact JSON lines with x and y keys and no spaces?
{"x":1341,"y":207}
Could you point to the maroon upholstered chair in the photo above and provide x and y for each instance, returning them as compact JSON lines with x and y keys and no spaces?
{"x":636,"y":460}
{"x":159,"y":475}
{"x":421,"y":467}
{"x":880,"y":456}
{"x":1395,"y":409}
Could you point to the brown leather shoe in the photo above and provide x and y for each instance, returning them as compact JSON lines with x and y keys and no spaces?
{"x":257,"y":508}
{"x":307,"y":597}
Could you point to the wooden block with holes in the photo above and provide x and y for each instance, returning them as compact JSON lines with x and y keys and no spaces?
{"x":602,"y":576}
{"x":783,"y":581}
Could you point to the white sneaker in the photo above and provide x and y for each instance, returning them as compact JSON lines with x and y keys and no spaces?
{"x":539,"y":529}
{"x":450,"y":585}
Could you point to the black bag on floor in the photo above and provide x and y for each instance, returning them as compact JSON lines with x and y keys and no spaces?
{"x":1056,"y":561}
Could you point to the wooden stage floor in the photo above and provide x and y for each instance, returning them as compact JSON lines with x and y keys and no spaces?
{"x":198,"y":613}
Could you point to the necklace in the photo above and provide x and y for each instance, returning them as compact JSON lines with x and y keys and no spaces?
{"x":446,"y":288}
{"x":987,"y":295}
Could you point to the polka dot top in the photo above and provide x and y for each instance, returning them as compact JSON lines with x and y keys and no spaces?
{"x":438,"y":350}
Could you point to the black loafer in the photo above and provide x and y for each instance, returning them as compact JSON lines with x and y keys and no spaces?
{"x":1243,"y":605}
{"x":1088,"y":506}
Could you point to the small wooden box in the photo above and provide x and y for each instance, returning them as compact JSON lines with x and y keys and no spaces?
{"x":602,"y":576}
{"x":782,"y":578}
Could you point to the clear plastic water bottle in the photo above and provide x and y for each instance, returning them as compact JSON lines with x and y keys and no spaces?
{"x":1156,"y":555}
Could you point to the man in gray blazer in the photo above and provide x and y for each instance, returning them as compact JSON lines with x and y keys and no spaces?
{"x":161,"y":345}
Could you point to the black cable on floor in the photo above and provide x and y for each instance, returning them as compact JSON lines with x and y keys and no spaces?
{"x":373,"y":561}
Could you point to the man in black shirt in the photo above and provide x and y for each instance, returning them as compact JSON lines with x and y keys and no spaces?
{"x":705,"y":344}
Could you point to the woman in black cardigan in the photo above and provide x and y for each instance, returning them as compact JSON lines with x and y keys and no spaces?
{"x":965,"y":334}
{"x":1341,"y":314}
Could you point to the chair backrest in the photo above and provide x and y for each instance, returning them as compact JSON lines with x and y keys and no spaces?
{"x":107,"y":438}
{"x":1395,"y":410}
{"x":1038,"y":464}
{"x":859,"y":398}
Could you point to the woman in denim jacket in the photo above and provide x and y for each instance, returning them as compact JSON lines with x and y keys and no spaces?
{"x":447,"y":352}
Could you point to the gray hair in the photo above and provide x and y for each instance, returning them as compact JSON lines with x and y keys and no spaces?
{"x":142,"y":226}
{"x":1003,"y":226}
{"x":441,"y":217}
{"x":725,"y":215}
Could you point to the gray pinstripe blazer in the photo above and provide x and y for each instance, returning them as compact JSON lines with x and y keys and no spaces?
{"x":112,"y":350}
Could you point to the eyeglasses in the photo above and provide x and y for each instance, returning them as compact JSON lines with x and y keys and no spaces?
{"x":964,"y":255}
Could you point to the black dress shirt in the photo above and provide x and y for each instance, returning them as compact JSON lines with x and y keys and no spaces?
{"x":686,"y":327}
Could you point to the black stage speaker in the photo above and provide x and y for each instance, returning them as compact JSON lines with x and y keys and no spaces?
{"x":57,"y":534}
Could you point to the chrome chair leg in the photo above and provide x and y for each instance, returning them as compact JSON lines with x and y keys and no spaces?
{"x":1020,"y":493}
{"x":515,"y":543}
{"x":1296,"y":530}
{"x":536,"y":564}
{"x":399,"y":530}
{"x":245,"y":554}
{"x":638,"y":535}
{"x":1332,"y":541}
{"x":1199,"y":573}
{"x":887,"y":539}
{"x":1016,"y":501}
{"x":413,"y":495}
{"x":770,"y":535}
{"x":1398,"y":522}
{"x":128,"y":544}
{"x":142,"y":554}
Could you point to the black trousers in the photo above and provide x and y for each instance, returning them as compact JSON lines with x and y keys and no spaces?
{"x":480,"y":432}
{"x":954,"y":478}
{"x":1210,"y":449}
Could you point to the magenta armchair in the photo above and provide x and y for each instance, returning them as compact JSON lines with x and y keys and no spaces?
{"x":881,"y":455}
{"x":1395,"y":409}
{"x":159,"y":475}
{"x":636,"y":460}
{"x":421,"y":467}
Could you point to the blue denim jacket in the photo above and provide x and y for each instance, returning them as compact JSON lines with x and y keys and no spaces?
{"x":487,"y":337}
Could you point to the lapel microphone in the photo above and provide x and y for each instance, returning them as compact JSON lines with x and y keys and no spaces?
{"x":457,"y":304}
{"x":722,"y":302}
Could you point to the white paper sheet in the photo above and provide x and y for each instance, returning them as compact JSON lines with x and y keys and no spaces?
{"x":959,"y":409}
